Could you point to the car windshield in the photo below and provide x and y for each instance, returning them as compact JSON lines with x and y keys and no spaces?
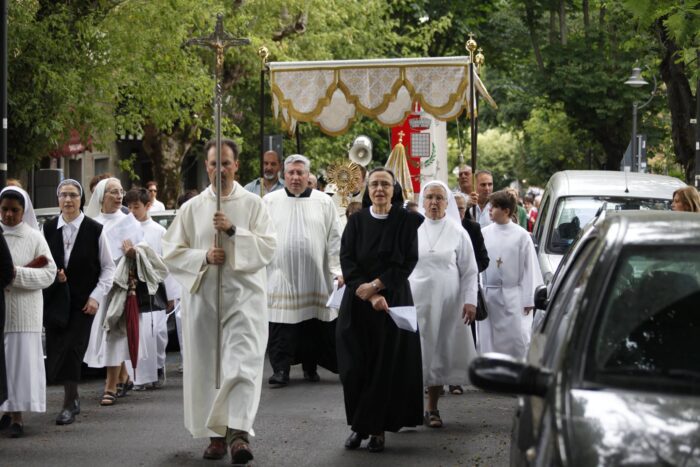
{"x":649,"y":328}
{"x":574,"y":212}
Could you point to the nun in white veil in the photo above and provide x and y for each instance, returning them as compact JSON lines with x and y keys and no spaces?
{"x":444,"y":288}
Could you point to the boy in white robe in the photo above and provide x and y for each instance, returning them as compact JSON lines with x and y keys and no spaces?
{"x":300,"y":277}
{"x":509,"y":282}
{"x":152,"y":325}
{"x":248,"y":246}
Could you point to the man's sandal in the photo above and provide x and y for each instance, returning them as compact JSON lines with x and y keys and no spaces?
{"x":457,"y":390}
{"x":432,"y":419}
{"x":108,"y":398}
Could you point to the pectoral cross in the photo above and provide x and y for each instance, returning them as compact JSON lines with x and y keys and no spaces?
{"x":499,"y":262}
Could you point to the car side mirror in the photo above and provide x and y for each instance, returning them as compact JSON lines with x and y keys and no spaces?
{"x":541,"y":299}
{"x":502,"y":373}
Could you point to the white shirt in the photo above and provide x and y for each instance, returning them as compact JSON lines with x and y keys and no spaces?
{"x":156,"y":206}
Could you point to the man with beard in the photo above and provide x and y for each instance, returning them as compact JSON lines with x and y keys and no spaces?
{"x":270,"y":181}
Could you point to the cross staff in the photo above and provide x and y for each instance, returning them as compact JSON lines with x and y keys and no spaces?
{"x":219,"y":40}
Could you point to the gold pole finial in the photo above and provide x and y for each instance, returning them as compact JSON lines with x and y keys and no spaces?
{"x":401,"y":135}
{"x":471,"y":45}
{"x":263,"y":53}
{"x":479,"y":58}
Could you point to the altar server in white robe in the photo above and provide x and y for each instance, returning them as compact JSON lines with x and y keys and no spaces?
{"x":34,"y":270}
{"x":509,"y":282}
{"x":248,"y":246}
{"x":105,"y":349}
{"x":300,"y":277}
{"x":444,"y":287}
{"x":152,"y":319}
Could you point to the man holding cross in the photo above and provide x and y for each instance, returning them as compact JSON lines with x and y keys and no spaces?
{"x":224,"y":412}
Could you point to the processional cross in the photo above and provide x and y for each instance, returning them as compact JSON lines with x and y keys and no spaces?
{"x":219,"y":40}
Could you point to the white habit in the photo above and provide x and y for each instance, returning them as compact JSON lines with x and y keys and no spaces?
{"x":24,"y":310}
{"x":208,"y":411}
{"x":104,"y":348}
{"x":509,"y":286}
{"x":300,"y":277}
{"x":441,"y":283}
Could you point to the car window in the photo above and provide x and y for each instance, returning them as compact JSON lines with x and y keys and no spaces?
{"x":649,"y":327}
{"x":572,"y":213}
{"x":566,"y":299}
{"x":542,"y":217}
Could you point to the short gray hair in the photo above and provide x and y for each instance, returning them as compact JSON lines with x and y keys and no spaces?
{"x":295,"y":158}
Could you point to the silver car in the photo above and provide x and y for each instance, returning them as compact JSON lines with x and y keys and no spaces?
{"x":572,"y":198}
{"x":612,"y":375}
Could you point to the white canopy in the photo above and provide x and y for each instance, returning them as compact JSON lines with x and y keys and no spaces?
{"x":331,"y":93}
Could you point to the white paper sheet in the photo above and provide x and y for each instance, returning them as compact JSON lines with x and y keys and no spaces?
{"x":336,"y":297}
{"x":405,"y":317}
{"x":126,"y":229}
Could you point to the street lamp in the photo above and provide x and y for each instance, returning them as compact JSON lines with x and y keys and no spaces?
{"x":636,"y":81}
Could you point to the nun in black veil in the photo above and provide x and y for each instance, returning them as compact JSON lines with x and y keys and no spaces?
{"x":379,"y":364}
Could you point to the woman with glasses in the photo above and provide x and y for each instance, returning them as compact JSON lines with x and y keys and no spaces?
{"x":34,"y":270}
{"x":85,"y":270}
{"x":444,"y":286}
{"x":379,"y":364}
{"x":108,"y":350}
{"x":156,"y":205}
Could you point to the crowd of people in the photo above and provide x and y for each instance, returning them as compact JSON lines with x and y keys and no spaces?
{"x":254,"y":277}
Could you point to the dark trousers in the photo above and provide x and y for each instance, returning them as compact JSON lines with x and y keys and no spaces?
{"x":311,"y":343}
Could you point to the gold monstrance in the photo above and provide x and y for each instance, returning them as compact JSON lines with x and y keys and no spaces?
{"x":347,"y":177}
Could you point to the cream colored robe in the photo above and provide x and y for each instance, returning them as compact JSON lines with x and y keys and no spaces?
{"x":208,"y":411}
{"x":300,"y":277}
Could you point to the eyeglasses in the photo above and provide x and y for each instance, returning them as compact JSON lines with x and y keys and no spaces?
{"x":68,"y":195}
{"x":385,"y":185}
{"x":116,"y":192}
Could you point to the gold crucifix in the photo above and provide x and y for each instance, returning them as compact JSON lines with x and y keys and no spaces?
{"x":499,"y":262}
{"x":219,"y":40}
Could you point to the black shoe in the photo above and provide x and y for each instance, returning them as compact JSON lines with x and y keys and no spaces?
{"x":5,"y":422}
{"x":76,"y":407}
{"x":280,"y":378}
{"x":66,"y":417}
{"x":312,"y":376}
{"x":16,"y":430}
{"x":354,"y":440}
{"x":376,"y":444}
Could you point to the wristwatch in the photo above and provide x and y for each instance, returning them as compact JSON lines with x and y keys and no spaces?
{"x":231,"y":231}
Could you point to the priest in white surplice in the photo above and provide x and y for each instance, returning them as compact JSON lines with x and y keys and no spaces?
{"x":300,"y":277}
{"x":509,"y":282}
{"x":248,"y":246}
{"x":444,"y":286}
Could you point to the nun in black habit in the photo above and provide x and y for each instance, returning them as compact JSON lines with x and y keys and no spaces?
{"x":379,"y":364}
{"x":7,"y":269}
{"x":84,"y":277}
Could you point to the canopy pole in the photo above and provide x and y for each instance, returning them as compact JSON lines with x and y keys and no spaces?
{"x":263,"y":53}
{"x":298,"y":135}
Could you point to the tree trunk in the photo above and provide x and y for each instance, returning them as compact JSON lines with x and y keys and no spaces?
{"x":680,"y":101}
{"x":586,"y":17}
{"x":552,"y":25}
{"x":166,"y":151}
{"x":531,"y":26}
{"x":562,"y":21}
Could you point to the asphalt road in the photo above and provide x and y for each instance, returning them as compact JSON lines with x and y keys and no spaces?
{"x":300,"y":425}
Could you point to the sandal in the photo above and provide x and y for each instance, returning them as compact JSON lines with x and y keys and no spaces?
{"x":457,"y":390}
{"x":432,"y":419}
{"x":124,"y":388}
{"x":108,"y":398}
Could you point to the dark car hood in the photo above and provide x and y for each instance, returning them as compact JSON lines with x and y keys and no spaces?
{"x":632,"y":428}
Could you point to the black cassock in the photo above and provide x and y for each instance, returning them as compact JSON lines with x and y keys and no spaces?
{"x":379,"y":364}
{"x":6,"y":270}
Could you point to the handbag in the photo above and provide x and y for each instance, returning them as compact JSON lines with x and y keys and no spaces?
{"x":481,"y":311}
{"x":56,"y":305}
{"x":149,"y":303}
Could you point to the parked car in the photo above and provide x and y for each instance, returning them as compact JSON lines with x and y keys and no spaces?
{"x":612,"y":376}
{"x":164,"y":218}
{"x":45,"y":214}
{"x":573,"y":197}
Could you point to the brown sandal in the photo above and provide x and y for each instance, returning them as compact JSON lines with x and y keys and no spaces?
{"x":432,"y":419}
{"x":108,"y":398}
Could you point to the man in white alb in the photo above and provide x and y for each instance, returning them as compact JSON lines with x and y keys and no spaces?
{"x":300,"y":277}
{"x":226,"y":414}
